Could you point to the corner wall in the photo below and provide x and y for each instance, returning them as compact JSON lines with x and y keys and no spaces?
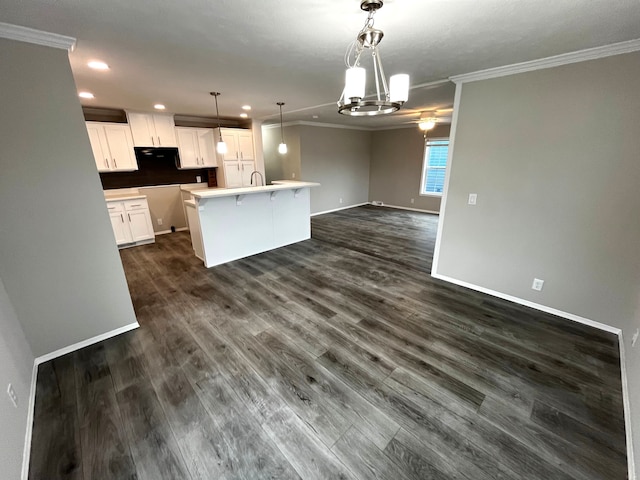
{"x":58,"y":259}
{"x":397,"y":156}
{"x":338,"y":159}
{"x":16,"y":366}
{"x":553,"y":156}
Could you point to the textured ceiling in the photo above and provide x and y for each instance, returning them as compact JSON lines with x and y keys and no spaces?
{"x":261,"y":52}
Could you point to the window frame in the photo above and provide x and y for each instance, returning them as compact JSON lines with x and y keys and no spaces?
{"x":425,"y":166}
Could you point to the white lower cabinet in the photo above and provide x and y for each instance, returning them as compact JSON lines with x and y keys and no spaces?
{"x":131,"y":222}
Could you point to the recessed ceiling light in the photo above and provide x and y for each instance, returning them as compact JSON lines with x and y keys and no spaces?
{"x":246,"y":107}
{"x":98,"y":65}
{"x":159,"y":106}
{"x":244,"y":115}
{"x":315,"y":116}
{"x":86,"y":95}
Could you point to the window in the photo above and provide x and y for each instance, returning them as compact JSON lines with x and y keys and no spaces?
{"x":435,"y":166}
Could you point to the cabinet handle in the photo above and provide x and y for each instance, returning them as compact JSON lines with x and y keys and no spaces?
{"x":136,"y":205}
{"x":122,"y":218}
{"x":106,"y":163}
{"x":202,"y":160}
{"x":159,"y":142}
{"x":115,"y":163}
{"x":129,"y":217}
{"x":241,"y":156}
{"x":153,"y":141}
{"x":236,"y":155}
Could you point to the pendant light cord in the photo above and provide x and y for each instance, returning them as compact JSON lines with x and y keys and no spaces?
{"x":280,"y":104}
{"x":215,"y":96}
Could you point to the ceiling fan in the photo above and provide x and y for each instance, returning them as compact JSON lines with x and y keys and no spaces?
{"x":427,"y":119}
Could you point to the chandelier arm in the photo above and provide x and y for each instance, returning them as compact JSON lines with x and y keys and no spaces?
{"x":376,"y":63}
{"x":384,"y":79}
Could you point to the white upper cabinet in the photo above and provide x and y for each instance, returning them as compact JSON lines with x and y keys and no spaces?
{"x":112,"y":146}
{"x":196,"y":147}
{"x":152,"y":129}
{"x":239,"y":144}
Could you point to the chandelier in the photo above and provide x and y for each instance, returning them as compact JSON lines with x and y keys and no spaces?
{"x":389,"y":97}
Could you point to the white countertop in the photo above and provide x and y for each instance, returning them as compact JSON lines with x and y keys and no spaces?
{"x":123,"y":196}
{"x":196,"y":186}
{"x":277,"y":185}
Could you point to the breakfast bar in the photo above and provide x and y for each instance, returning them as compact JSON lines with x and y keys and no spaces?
{"x":231,"y":223}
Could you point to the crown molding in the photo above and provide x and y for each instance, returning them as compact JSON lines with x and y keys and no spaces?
{"x":549,"y":62}
{"x":37,"y":37}
{"x":317,"y":124}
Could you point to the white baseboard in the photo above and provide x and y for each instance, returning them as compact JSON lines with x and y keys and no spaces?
{"x":26,"y":453}
{"x":86,"y":343}
{"x":627,"y":410}
{"x":527,"y":303}
{"x":164,"y":232}
{"x":338,"y":209}
{"x":411,"y":209}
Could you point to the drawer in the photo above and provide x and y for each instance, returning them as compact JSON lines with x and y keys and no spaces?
{"x":138,"y":204}
{"x":115,"y":207}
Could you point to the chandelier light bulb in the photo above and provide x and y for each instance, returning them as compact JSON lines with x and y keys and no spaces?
{"x":282,"y":148}
{"x":399,"y":88}
{"x":355,"y":81}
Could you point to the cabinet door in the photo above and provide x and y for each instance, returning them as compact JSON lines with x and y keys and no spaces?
{"x":142,"y":130}
{"x":120,"y":227}
{"x":231,"y":139}
{"x":233,"y":175}
{"x":165,"y":130}
{"x":140,"y":225}
{"x":95,"y":135}
{"x":206,"y":145}
{"x":245,"y":145}
{"x":246,"y":168}
{"x":188,"y":147}
{"x":120,"y":143}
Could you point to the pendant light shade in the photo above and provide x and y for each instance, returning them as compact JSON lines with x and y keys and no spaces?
{"x":355,"y":81}
{"x":282,"y":148}
{"x":399,"y":88}
{"x":221,"y":147}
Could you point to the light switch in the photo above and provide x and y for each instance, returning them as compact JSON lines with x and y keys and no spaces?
{"x":473,"y":198}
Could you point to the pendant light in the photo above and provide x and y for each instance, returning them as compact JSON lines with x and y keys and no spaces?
{"x":221,"y":147}
{"x":389,"y":98}
{"x":282,"y":148}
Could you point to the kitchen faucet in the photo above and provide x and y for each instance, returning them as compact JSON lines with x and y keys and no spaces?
{"x":261,"y":177}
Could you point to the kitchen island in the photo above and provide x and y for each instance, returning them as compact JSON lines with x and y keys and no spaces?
{"x":231,"y":223}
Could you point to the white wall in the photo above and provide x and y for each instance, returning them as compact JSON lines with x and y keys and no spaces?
{"x":58,"y":260}
{"x":554,"y":156}
{"x":16,"y":363}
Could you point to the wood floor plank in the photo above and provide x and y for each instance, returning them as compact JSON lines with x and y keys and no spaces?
{"x":363,"y":458}
{"x":155,"y":451}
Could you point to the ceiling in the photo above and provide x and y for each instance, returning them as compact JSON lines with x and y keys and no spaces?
{"x":261,"y":52}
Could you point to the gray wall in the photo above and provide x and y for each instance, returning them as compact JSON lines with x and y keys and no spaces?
{"x":16,"y":363}
{"x":338,"y":159}
{"x":554,"y":158}
{"x":278,"y":166}
{"x":396,"y":167}
{"x":58,"y":259}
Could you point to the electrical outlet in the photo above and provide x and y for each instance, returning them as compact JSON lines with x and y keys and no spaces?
{"x":12,"y":395}
{"x":634,"y":339}
{"x":198,"y":179}
{"x":473,"y":198}
{"x":413,"y":200}
{"x":293,"y":174}
{"x":537,"y":284}
{"x":159,"y":221}
{"x":340,"y":200}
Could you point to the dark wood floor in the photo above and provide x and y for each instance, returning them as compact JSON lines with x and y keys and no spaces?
{"x":335,"y":358}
